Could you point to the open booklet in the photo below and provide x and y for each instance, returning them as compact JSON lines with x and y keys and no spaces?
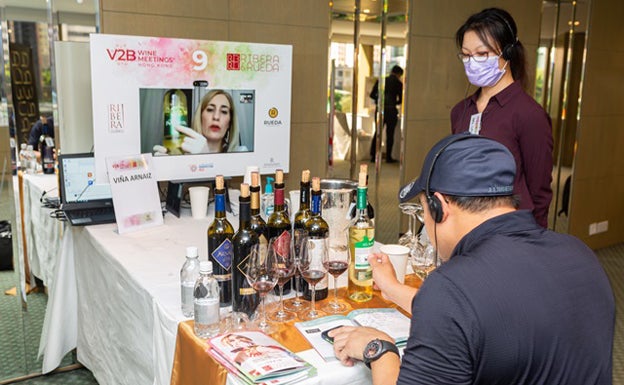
{"x":389,"y":321}
{"x":256,"y":358}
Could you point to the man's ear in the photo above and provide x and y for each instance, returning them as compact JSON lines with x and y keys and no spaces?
{"x":444,"y":205}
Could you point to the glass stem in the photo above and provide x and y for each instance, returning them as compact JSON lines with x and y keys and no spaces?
{"x":335,"y":289}
{"x":263,"y":323}
{"x":297,"y":279}
{"x":281,"y":311}
{"x":312,"y":306}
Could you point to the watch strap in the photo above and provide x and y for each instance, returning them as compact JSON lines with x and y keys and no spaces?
{"x":386,"y":347}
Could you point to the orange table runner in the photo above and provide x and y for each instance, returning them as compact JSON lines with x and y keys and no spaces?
{"x":193,"y":365}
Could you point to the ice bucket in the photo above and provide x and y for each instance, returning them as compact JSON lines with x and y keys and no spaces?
{"x":338,"y":197}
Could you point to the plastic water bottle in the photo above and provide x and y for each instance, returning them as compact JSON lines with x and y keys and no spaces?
{"x":31,"y":160}
{"x":22,"y":157}
{"x":188,"y":276}
{"x":206,"y":294}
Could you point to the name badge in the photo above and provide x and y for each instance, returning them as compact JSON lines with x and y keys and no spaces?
{"x":475,"y":124}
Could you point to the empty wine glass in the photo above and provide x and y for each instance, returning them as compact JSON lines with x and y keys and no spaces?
{"x":336,"y":263}
{"x":407,"y":239}
{"x":313,"y":271}
{"x":279,"y":248}
{"x":262,"y":276}
{"x":299,"y":247}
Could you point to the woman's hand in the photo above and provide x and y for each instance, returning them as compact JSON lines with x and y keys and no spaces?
{"x":194,"y":142}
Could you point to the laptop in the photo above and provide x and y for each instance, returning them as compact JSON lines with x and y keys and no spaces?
{"x":83,"y":201}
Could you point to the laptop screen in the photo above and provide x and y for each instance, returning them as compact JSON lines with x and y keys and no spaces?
{"x":77,"y":172}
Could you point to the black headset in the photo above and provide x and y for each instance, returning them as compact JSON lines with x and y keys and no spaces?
{"x":507,"y":50}
{"x":435,"y":206}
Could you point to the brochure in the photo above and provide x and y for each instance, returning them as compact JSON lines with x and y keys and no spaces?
{"x":256,"y":358}
{"x":388,"y":320}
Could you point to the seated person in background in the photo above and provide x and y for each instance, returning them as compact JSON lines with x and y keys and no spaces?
{"x":215,"y":128}
{"x":45,"y":124}
{"x":513,"y":303}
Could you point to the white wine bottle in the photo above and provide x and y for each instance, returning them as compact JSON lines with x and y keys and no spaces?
{"x":361,"y":241}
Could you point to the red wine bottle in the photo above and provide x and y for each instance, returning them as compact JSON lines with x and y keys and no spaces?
{"x":318,"y":232}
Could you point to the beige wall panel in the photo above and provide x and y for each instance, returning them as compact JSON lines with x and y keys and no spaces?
{"x":292,"y":12}
{"x":310,"y":56}
{"x":603,"y":89}
{"x":163,"y":26}
{"x":213,"y":9}
{"x":442,"y":18}
{"x":607,"y":28}
{"x":586,"y":209}
{"x":420,"y":136}
{"x":308,"y":150}
{"x":435,"y":78}
{"x":599,"y":153}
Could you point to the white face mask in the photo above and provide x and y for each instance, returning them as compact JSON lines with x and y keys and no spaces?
{"x":485,"y":73}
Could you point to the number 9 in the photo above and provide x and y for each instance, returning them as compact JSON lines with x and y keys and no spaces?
{"x":201,"y":59}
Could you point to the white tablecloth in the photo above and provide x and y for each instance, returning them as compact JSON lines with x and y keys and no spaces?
{"x":124,"y":310}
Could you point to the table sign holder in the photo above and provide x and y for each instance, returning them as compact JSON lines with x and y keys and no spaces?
{"x":135,"y":192}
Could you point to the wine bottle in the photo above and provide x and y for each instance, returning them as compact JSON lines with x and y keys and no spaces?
{"x":220,"y":251}
{"x":244,"y":298}
{"x":318,"y":232}
{"x":361,"y":241}
{"x":256,"y":222}
{"x":46,"y":149}
{"x":175,"y":112}
{"x":279,"y":224}
{"x":303,"y":214}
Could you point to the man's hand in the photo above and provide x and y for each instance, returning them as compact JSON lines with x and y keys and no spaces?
{"x":385,"y":280}
{"x":349,"y":342}
{"x":194,"y":142}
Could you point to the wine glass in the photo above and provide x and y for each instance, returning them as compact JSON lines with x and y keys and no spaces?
{"x":407,"y":239}
{"x":299,"y":247}
{"x":262,"y":276}
{"x":313,"y":271}
{"x":279,"y":248}
{"x":424,"y":259}
{"x":336,"y":263}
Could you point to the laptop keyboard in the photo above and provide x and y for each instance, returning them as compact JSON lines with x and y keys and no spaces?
{"x":92,"y":216}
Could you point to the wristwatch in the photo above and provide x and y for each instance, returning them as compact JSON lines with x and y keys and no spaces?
{"x":377,"y":348}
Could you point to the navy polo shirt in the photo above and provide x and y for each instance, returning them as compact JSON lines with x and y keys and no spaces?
{"x":515,"y":304}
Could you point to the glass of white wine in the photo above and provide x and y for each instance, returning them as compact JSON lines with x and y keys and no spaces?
{"x":423,"y":259}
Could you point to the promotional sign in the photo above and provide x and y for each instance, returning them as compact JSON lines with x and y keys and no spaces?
{"x":23,"y":89}
{"x":135,"y":192}
{"x":201,"y":107}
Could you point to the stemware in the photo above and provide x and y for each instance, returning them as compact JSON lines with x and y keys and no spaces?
{"x":407,"y":239}
{"x":336,"y":264}
{"x":279,"y":248}
{"x":262,"y":276}
{"x":299,"y":247}
{"x":313,"y":271}
{"x":424,"y":258}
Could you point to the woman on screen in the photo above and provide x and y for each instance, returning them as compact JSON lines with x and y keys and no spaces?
{"x":214,"y":126}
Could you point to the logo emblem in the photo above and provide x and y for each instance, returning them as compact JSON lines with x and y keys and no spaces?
{"x":273,"y":112}
{"x":233,"y":62}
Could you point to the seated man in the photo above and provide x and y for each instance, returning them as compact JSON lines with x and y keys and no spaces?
{"x":512,"y":303}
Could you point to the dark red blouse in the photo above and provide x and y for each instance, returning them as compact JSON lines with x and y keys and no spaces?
{"x":516,"y":120}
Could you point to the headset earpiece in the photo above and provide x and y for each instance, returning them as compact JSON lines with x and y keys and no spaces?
{"x":507,"y":51}
{"x":435,"y":208}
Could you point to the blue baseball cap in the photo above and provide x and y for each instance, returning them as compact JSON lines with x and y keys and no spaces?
{"x":465,"y":165}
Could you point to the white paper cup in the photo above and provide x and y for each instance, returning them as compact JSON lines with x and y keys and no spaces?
{"x":398,"y":257}
{"x":199,"y":201}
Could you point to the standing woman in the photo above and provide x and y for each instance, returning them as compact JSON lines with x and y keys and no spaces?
{"x":494,"y":60}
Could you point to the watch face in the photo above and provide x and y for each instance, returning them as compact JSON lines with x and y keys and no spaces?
{"x":372,"y":349}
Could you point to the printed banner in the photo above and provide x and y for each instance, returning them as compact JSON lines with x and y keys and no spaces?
{"x":202,"y":108}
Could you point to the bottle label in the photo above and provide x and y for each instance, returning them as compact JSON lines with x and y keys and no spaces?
{"x":281,"y":245}
{"x":279,"y":196}
{"x":362,"y":203}
{"x":207,"y":311}
{"x":363,"y":249}
{"x":219,"y":203}
{"x":246,"y":291}
{"x":223,"y":254}
{"x":242,"y":266}
{"x":316,"y":204}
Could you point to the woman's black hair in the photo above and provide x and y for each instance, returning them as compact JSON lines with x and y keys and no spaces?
{"x":497,"y":29}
